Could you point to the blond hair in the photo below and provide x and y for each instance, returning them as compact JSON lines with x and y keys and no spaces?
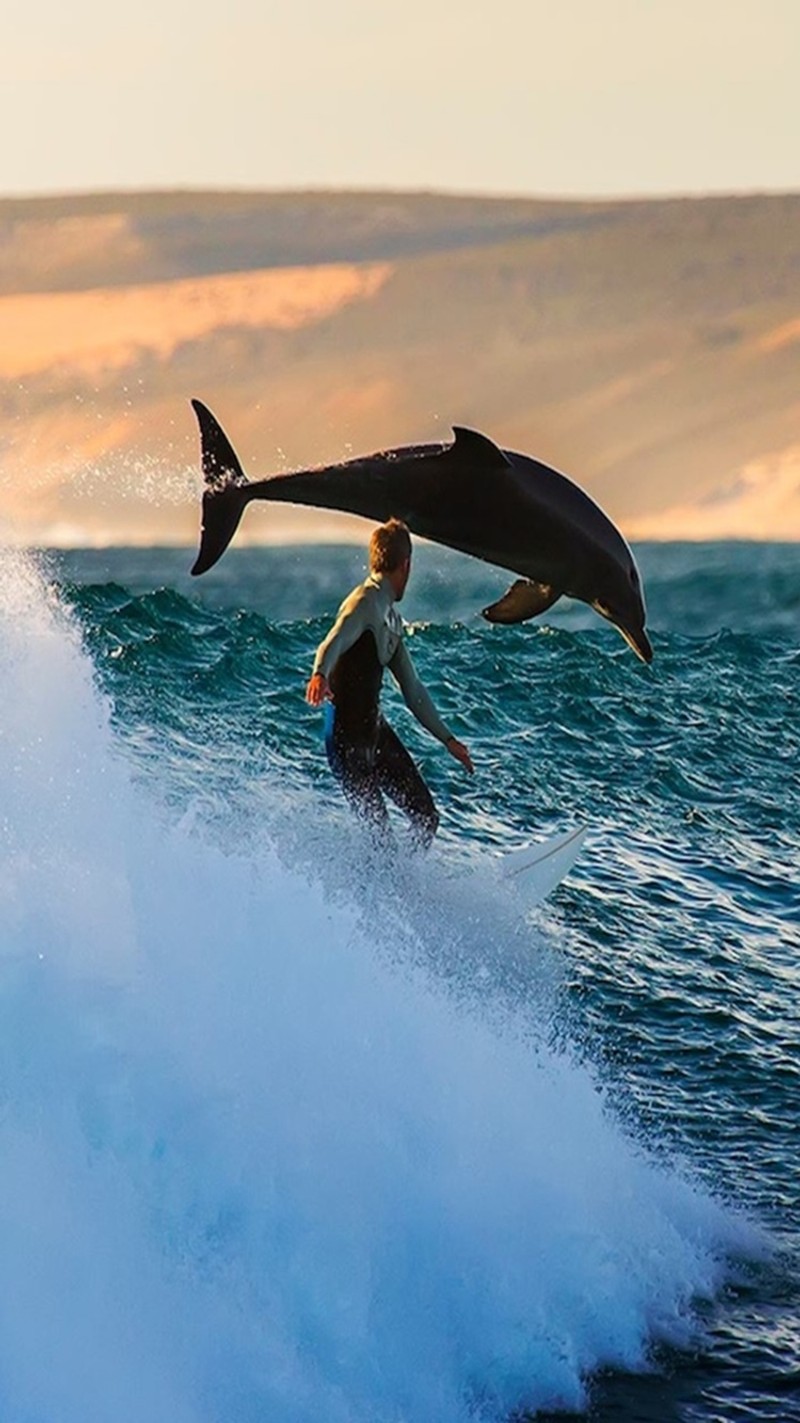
{"x":389,"y":546}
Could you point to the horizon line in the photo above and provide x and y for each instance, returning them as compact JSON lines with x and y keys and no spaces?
{"x":250,"y":545}
{"x":123,"y":190}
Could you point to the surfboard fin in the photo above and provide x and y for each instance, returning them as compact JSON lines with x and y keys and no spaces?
{"x":523,"y":600}
{"x":225,"y":495}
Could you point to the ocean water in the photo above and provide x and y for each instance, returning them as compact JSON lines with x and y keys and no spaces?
{"x":292,"y":1133}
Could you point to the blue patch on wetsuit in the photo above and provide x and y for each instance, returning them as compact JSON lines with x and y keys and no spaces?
{"x":328,"y":724}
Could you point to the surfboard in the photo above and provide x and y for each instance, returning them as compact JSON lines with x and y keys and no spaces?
{"x":535,"y":870}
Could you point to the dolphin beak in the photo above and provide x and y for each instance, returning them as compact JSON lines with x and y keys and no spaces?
{"x":639,"y":642}
{"x":636,"y":638}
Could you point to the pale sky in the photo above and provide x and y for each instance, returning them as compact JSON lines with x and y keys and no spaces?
{"x":520,"y":96}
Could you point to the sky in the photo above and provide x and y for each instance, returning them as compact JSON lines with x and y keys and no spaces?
{"x":578,"y":98}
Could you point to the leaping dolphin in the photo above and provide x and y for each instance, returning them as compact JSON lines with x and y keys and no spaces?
{"x":504,"y":508}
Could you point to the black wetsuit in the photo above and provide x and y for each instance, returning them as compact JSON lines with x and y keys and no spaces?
{"x":366,"y":756}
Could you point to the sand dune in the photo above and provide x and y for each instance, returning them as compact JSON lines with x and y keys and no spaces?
{"x":787,"y":334}
{"x":95,"y":332}
{"x":650,"y":350}
{"x":762,"y":502}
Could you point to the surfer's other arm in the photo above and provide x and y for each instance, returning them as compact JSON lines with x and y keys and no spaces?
{"x":318,"y":690}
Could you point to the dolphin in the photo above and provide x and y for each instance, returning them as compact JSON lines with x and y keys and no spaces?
{"x":504,"y":508}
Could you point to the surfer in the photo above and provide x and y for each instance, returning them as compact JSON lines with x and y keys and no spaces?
{"x":366,"y":756}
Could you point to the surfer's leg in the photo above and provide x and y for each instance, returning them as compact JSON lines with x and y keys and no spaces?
{"x":400,"y":780}
{"x":353,"y":765}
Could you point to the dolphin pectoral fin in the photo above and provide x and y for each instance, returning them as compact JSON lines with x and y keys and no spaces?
{"x":478,"y":449}
{"x":522,"y":601}
{"x":226,"y":494}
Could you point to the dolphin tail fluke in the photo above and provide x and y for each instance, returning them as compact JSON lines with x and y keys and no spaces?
{"x":226,"y":492}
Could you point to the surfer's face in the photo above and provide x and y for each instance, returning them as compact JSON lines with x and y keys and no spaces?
{"x":400,"y":578}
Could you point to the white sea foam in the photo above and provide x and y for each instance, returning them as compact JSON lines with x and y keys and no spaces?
{"x":252,"y":1168}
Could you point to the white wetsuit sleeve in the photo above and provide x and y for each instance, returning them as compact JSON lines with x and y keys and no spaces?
{"x":415,"y":696}
{"x":352,"y":619}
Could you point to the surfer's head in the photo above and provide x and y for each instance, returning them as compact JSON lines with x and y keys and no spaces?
{"x":390,"y":553}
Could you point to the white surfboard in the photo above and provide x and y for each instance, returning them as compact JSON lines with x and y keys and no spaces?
{"x":535,"y":870}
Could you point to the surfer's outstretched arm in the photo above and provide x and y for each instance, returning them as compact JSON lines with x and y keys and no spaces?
{"x":460,"y":752}
{"x":418,"y":701}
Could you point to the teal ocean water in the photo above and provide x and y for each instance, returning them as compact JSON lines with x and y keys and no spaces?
{"x":290,"y":1133}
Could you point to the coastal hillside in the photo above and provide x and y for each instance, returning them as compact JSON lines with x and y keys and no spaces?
{"x":649,"y":349}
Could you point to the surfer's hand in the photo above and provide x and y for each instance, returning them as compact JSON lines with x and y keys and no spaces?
{"x":459,"y":750}
{"x":318,"y":690}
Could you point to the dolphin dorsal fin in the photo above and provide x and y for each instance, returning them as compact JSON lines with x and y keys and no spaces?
{"x":471,"y":444}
